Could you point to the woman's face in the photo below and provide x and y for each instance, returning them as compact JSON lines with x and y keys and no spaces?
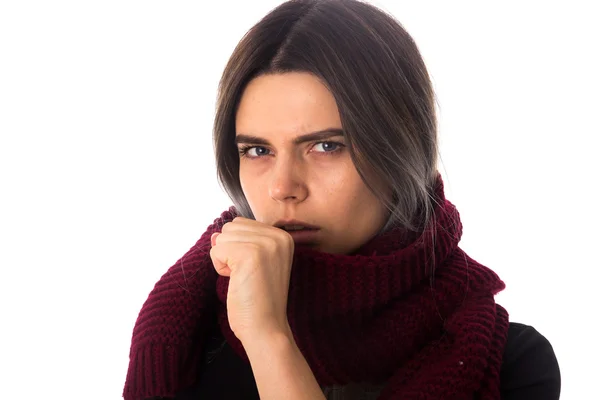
{"x":295,"y":168}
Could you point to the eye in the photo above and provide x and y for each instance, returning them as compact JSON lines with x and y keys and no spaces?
{"x":258,"y":151}
{"x":253,"y":151}
{"x":327,"y":147}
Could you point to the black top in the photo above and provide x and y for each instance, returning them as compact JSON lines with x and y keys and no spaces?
{"x":529,"y":370}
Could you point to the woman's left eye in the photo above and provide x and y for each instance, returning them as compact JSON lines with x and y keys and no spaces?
{"x":327,"y":147}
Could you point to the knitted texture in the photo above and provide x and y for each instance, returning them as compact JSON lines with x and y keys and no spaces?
{"x":419,"y":316}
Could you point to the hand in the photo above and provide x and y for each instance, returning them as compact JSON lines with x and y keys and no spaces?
{"x":258,"y":260}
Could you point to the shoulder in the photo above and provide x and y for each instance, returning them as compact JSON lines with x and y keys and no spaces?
{"x":529,"y":368}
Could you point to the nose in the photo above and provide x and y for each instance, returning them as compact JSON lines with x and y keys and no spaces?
{"x":287,"y":183}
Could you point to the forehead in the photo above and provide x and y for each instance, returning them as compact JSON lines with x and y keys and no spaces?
{"x":282,"y":105}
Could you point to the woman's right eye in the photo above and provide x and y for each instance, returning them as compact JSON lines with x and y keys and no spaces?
{"x":254,"y":151}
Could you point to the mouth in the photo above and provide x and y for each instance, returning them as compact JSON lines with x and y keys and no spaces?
{"x":301,"y":232}
{"x":295,"y":225}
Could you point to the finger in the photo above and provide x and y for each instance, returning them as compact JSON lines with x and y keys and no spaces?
{"x":254,"y":231}
{"x":220,"y":266}
{"x":213,"y":239}
{"x":243,"y":236}
{"x":244,"y":224}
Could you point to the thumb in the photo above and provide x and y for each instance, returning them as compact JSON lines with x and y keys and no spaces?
{"x":217,"y":255}
{"x":213,"y":239}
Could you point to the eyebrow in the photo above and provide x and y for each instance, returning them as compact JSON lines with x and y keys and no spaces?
{"x":309,"y":137}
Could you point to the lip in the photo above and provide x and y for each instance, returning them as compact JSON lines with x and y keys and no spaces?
{"x":306,"y":236}
{"x":282,"y":223}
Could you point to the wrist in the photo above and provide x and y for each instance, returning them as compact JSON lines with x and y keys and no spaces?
{"x":279,"y":367}
{"x":276,"y":340}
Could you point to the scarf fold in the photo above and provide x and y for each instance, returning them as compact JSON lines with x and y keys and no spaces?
{"x":420,"y":317}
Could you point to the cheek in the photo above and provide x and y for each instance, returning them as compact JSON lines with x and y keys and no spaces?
{"x":360,"y":204}
{"x":346,"y":193}
{"x":244,"y":182}
{"x":251,"y":188}
{"x":337,"y":178}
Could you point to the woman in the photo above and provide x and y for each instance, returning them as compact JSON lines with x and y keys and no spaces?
{"x":337,"y":275}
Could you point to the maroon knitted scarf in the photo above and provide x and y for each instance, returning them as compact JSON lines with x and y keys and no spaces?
{"x":419,"y":316}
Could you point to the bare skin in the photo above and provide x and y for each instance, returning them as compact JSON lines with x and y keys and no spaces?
{"x":294,"y":166}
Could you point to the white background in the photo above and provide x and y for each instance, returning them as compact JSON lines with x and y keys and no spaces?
{"x":107,"y":177}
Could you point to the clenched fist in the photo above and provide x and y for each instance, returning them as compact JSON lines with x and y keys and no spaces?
{"x":258,"y":259}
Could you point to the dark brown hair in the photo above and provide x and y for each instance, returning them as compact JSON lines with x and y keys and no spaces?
{"x":377,"y":76}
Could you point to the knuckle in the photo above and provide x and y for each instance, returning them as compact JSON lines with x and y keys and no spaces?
{"x":213,"y":253}
{"x":253,"y":251}
{"x":267,"y":244}
{"x":272,"y":243}
{"x":285,"y":238}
